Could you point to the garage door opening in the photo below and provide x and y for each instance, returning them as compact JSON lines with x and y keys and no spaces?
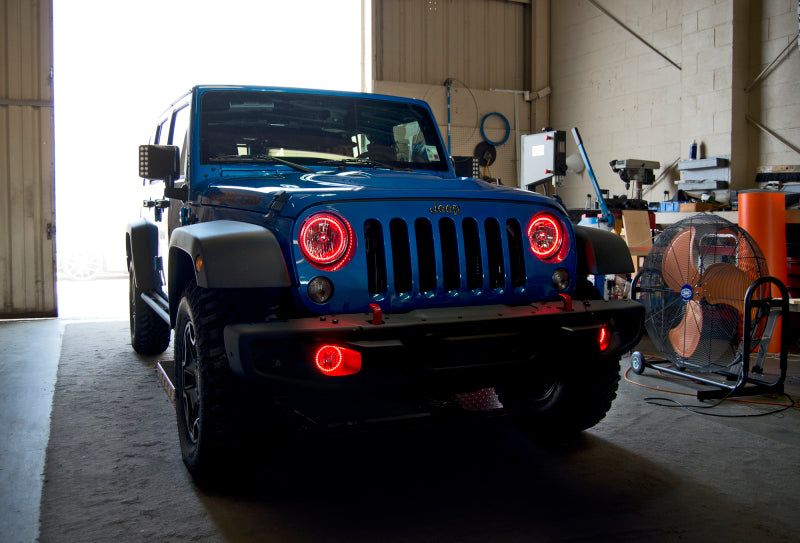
{"x":118,"y":65}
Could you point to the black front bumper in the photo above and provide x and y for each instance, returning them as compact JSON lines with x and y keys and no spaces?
{"x":455,"y":348}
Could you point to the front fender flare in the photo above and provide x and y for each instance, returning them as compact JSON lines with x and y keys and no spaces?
{"x":142,"y":253}
{"x":229,"y":254}
{"x":601,"y":252}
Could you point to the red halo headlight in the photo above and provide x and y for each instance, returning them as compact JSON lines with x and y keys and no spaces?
{"x":546,"y":236}
{"x":327,"y":241}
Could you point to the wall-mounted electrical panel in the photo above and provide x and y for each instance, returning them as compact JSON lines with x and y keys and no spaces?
{"x":544,"y":158}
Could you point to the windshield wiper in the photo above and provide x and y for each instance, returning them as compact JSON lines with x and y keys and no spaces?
{"x":260,"y":158}
{"x":367,"y":162}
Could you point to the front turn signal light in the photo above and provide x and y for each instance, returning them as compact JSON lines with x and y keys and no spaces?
{"x":604,"y":337}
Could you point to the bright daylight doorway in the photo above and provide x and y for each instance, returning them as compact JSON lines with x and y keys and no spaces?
{"x":118,"y":65}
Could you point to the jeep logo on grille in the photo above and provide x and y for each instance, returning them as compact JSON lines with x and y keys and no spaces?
{"x":449,"y":209}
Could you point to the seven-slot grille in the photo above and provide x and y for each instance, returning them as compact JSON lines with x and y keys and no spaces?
{"x":446,"y":254}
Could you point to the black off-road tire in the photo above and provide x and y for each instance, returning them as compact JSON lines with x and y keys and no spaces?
{"x":564,"y":399}
{"x":149,"y":332}
{"x":563,"y":405}
{"x":585,"y":290}
{"x":222,"y":419}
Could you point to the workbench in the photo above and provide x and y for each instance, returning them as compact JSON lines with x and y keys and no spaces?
{"x":792,"y":216}
{"x":675,"y":216}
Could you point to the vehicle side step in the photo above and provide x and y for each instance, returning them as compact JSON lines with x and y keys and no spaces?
{"x":158,"y":304}
{"x":164,"y":370}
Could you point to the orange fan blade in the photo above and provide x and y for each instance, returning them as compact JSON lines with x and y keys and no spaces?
{"x":677,"y":267}
{"x":685,"y":337}
{"x":724,"y":283}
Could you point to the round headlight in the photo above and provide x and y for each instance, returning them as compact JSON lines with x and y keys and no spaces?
{"x":327,"y":241}
{"x":546,"y":236}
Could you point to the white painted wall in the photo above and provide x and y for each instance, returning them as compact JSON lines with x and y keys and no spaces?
{"x":629,"y":102}
{"x":775,"y":103}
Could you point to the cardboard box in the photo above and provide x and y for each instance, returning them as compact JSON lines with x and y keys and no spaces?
{"x":700,"y":206}
{"x":778,"y":169}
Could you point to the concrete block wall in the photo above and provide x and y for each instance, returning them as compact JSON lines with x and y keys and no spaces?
{"x":624,"y":98}
{"x":707,"y":76}
{"x":629,"y":102}
{"x":775,"y":102}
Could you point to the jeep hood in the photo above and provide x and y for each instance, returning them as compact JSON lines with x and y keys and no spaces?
{"x":254,"y":191}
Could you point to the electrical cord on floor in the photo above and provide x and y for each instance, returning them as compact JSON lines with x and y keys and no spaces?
{"x":696,"y":409}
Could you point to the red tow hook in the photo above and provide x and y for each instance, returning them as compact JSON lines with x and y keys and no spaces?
{"x":567,"y":302}
{"x":377,"y":313}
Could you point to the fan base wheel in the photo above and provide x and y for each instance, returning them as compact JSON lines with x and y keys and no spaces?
{"x":637,"y":363}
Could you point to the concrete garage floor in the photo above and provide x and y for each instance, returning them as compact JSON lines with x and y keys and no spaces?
{"x":29,"y":352}
{"x":114,"y":471}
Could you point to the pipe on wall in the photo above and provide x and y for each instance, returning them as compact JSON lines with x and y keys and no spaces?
{"x":539,"y":47}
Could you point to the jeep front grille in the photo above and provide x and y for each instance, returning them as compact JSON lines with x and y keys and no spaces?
{"x":443,"y":255}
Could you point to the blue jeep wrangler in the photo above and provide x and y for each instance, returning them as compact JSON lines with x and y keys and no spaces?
{"x":322,"y":265}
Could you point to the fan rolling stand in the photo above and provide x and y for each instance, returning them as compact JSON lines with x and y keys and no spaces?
{"x":709,"y":306}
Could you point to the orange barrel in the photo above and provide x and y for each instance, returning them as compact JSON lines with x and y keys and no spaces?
{"x":763,"y":216}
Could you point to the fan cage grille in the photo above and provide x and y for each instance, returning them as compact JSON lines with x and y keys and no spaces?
{"x":693,"y":284}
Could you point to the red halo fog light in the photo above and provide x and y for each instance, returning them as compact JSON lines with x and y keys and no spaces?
{"x":336,"y":361}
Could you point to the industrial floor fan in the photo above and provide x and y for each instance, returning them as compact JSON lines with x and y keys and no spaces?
{"x":709,"y":307}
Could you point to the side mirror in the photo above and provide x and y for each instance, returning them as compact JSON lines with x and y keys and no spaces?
{"x":162,"y":162}
{"x":159,"y":162}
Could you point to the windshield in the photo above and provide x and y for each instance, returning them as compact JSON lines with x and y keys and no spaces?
{"x":311,"y":129}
